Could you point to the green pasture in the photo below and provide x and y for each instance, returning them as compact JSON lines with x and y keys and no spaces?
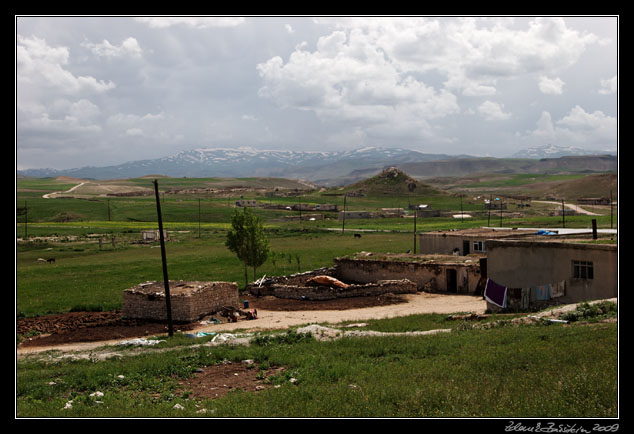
{"x":537,"y":371}
{"x":89,"y":274}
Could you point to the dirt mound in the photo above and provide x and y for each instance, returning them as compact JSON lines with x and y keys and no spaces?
{"x":217,"y":380}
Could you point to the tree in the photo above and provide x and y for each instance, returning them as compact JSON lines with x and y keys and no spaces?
{"x":247,"y":240}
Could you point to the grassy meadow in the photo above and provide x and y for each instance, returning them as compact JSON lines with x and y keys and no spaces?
{"x":542,"y":370}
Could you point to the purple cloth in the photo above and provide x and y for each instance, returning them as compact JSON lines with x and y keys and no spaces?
{"x":495,"y":293}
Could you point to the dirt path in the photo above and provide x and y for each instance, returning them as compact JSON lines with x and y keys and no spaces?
{"x":272,"y":320}
{"x":50,"y":195}
{"x":569,"y":205}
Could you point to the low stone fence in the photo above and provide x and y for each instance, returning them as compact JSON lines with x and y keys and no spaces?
{"x":322,"y":292}
{"x":190,"y":301}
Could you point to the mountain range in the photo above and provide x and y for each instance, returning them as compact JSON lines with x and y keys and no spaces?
{"x":325,"y":168}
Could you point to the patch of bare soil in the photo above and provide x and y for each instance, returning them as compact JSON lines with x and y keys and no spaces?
{"x":75,"y":327}
{"x":85,"y":327}
{"x":217,"y":380}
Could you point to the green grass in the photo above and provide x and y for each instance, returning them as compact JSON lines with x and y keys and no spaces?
{"x":528,"y":371}
{"x":85,"y":275}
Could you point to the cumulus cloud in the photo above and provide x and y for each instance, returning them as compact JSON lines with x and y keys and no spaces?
{"x":195,"y":22}
{"x":608,"y":86}
{"x":129,"y":47}
{"x":373,"y":70}
{"x":578,"y":128}
{"x":493,"y":111}
{"x":554,"y":86}
{"x":38,"y":64}
{"x":348,"y":78}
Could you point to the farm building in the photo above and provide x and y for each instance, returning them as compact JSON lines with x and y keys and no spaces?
{"x":537,"y":272}
{"x":190,"y":301}
{"x":354,"y":215}
{"x":593,"y":201}
{"x":444,"y":273}
{"x":152,"y":235}
{"x":464,"y":242}
{"x":246,"y":202}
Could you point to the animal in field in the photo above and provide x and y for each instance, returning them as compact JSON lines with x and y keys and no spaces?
{"x":357,"y":235}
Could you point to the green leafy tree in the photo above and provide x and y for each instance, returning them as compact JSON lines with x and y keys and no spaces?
{"x":247,"y":240}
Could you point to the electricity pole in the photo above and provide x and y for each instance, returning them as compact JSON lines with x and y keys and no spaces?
{"x":168,"y":301}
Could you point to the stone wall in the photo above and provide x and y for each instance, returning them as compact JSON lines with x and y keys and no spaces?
{"x":321,"y":292}
{"x":459,"y":276}
{"x":190,"y":301}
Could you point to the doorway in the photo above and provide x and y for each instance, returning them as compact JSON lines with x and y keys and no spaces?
{"x":465,"y":248}
{"x":452,"y":280}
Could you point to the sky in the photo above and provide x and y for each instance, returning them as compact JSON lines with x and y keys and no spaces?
{"x":103,"y":90}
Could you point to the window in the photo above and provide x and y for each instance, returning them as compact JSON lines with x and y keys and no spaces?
{"x":478,"y":246}
{"x":582,"y":270}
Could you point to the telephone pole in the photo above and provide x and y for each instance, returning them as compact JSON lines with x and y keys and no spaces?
{"x":168,"y":301}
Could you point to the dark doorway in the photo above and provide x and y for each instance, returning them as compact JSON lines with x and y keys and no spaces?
{"x":452,"y":281}
{"x":465,"y":248}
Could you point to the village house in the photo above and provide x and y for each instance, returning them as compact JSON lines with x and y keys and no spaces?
{"x":546,"y":271}
{"x":465,"y":242}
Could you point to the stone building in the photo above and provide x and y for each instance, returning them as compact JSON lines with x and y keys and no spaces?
{"x":190,"y":301}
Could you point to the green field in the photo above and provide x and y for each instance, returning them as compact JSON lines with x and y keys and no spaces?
{"x":507,"y":371}
{"x":91,"y":274}
{"x":541,"y":371}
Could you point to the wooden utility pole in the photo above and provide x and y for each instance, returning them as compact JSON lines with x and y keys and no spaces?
{"x":415,"y":212}
{"x":343,"y":227}
{"x":198,"y":217}
{"x":563,"y":213}
{"x":490,"y":205}
{"x":168,"y":301}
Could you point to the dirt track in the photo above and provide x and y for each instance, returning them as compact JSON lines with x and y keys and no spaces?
{"x":279,"y":314}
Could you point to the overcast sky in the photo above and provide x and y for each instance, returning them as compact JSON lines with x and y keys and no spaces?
{"x":104,"y":90}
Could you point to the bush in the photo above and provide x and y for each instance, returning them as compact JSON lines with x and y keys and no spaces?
{"x":585,"y":311}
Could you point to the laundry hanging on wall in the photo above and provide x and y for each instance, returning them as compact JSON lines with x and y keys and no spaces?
{"x":542,"y":292}
{"x":558,"y":289}
{"x":496,"y":294}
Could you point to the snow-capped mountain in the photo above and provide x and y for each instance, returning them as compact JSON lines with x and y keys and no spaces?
{"x":554,"y":151}
{"x":249,"y":162}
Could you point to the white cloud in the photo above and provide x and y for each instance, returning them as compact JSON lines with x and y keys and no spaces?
{"x":129,"y":47}
{"x":195,"y":22}
{"x":493,"y":111}
{"x":608,"y":86}
{"x":289,"y":29}
{"x":550,"y":86}
{"x":578,"y":128}
{"x":40,"y":65}
{"x":349,"y":79}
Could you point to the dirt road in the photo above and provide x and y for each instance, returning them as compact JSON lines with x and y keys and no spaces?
{"x":271,"y":320}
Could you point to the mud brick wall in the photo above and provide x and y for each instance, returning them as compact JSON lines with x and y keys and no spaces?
{"x":427,"y":276}
{"x":402,"y":286}
{"x":190,"y":301}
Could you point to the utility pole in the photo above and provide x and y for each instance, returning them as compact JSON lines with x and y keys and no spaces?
{"x":563,"y":213}
{"x":461,"y":210}
{"x":168,"y":301}
{"x":343,"y":227}
{"x":108,"y":209}
{"x":490,"y":205}
{"x":415,"y":212}
{"x":198,"y":217}
{"x":26,"y":217}
{"x":501,"y":203}
{"x":611,"y":211}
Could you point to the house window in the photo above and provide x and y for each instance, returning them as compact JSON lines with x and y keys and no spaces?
{"x":582,"y":270}
{"x":478,"y":246}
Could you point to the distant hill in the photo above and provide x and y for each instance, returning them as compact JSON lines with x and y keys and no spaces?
{"x":391,"y":181}
{"x":467,"y":166}
{"x":554,"y":151}
{"x":247,"y":162}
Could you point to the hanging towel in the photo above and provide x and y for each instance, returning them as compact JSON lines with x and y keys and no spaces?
{"x":542,"y":292}
{"x":495,"y":293}
{"x":558,"y":289}
{"x":525,"y":298}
